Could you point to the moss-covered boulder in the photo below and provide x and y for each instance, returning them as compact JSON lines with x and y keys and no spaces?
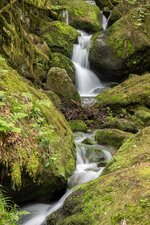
{"x":123,"y":52}
{"x":33,"y":137}
{"x":78,"y":125}
{"x":60,"y":37}
{"x":142,"y":113}
{"x":83,"y":15}
{"x":63,"y":62}
{"x":119,"y":196}
{"x":133,"y":91}
{"x":59,"y":82}
{"x":125,"y":124}
{"x":112,"y":137}
{"x":88,"y":141}
{"x":54,"y":98}
{"x":123,"y":8}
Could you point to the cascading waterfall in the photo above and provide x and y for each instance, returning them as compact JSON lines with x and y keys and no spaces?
{"x":86,"y":169}
{"x":87,"y":83}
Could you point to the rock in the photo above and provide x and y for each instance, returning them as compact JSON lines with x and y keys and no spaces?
{"x":123,"y":187}
{"x":88,"y":141}
{"x":123,"y":8}
{"x":33,"y":137}
{"x":133,"y":91}
{"x":142,"y":113}
{"x":60,"y":37}
{"x":112,"y":137}
{"x":60,"y":83}
{"x":117,"y":53}
{"x":54,"y":98}
{"x":63,"y":62}
{"x":78,"y":11}
{"x":78,"y":125}
{"x":128,"y":125}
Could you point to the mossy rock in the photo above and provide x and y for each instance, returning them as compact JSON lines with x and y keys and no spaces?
{"x":63,"y":62}
{"x":120,"y":52}
{"x":133,"y":91}
{"x":128,"y":125}
{"x":54,"y":98}
{"x":34,"y":136}
{"x":88,"y":141}
{"x":123,"y":8}
{"x":78,"y":125}
{"x":123,"y":187}
{"x":84,"y":16}
{"x":60,"y":83}
{"x":142,"y":113}
{"x":60,"y":37}
{"x":112,"y":137}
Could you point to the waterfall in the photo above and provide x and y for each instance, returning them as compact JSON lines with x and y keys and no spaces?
{"x":65,"y":16}
{"x":87,"y":83}
{"x":87,"y":169}
{"x":104,"y":22}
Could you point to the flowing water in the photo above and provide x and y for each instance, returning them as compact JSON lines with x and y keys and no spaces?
{"x":87,"y":83}
{"x":105,"y":22}
{"x":87,"y":169}
{"x":88,"y":156}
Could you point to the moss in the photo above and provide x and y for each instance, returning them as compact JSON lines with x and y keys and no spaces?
{"x":88,"y":141}
{"x":32,"y":126}
{"x":125,"y":189}
{"x":60,"y":37}
{"x":78,"y":125}
{"x":54,"y":98}
{"x":128,"y":125}
{"x":143,"y":113}
{"x":59,"y":82}
{"x":63,"y":62}
{"x":134,"y":90}
{"x":112,"y":137}
{"x":84,"y":16}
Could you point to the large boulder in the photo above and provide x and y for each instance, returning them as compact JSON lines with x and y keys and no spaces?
{"x":60,"y":83}
{"x":36,"y":144}
{"x":119,"y":196}
{"x":63,"y":62}
{"x":60,"y":37}
{"x":123,"y":8}
{"x":124,"y":48}
{"x":84,"y":16}
{"x":133,"y":91}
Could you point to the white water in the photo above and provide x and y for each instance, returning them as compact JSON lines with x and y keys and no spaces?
{"x":65,"y":16}
{"x":86,"y":170}
{"x":104,"y":22}
{"x":87,"y":83}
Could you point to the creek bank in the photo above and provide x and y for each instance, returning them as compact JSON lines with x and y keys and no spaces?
{"x":34,"y":136}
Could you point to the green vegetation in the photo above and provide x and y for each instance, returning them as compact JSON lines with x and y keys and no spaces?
{"x":33,"y":136}
{"x":112,"y":137}
{"x":78,"y":125}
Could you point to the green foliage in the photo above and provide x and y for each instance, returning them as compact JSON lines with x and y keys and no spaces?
{"x":9,"y":214}
{"x":78,"y":125}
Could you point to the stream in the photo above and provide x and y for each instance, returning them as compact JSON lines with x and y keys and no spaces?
{"x":89,"y":157}
{"x":87,"y":169}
